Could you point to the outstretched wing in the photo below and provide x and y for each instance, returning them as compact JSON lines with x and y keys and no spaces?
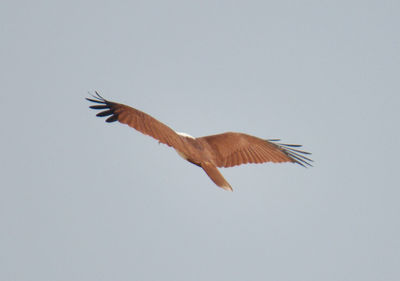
{"x":233,"y":149}
{"x":136,"y":119}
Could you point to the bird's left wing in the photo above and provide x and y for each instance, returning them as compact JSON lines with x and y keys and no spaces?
{"x":136,"y":119}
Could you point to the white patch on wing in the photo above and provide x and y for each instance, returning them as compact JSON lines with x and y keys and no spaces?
{"x":185,"y":135}
{"x":181,"y":154}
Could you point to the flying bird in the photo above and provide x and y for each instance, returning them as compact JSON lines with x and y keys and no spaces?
{"x":209,"y":152}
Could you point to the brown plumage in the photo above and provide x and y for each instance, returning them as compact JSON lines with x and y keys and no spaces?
{"x":209,"y":152}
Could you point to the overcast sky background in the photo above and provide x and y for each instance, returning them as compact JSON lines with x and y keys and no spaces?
{"x":84,"y":200}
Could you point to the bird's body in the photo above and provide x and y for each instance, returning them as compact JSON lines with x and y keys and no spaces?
{"x":209,"y":152}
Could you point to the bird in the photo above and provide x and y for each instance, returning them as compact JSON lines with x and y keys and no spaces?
{"x":209,"y":152}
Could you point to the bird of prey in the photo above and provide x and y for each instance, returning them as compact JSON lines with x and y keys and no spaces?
{"x":223,"y":150}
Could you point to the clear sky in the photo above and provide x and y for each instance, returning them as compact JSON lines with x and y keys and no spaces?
{"x":84,"y":200}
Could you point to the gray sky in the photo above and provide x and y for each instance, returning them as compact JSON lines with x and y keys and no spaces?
{"x":84,"y":200}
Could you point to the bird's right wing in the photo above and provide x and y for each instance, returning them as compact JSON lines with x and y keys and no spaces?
{"x":138,"y":120}
{"x":231,"y":149}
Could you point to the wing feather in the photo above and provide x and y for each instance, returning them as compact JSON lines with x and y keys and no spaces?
{"x":232,"y":149}
{"x":136,"y":119}
{"x":244,"y":157}
{"x":254,"y":155}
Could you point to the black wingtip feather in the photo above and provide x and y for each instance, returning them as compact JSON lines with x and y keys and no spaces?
{"x":112,"y":119}
{"x":299,"y":159}
{"x":98,"y":106}
{"x":96,"y":101}
{"x":299,"y":151}
{"x":104,"y":104}
{"x":290,"y":145}
{"x":104,"y":113}
{"x":296,"y":155}
{"x":99,"y":97}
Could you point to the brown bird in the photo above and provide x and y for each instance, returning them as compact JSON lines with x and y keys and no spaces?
{"x":209,"y":152}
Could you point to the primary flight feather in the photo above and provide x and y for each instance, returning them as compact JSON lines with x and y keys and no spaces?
{"x":209,"y":152}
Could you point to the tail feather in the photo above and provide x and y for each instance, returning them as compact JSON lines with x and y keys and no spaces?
{"x":216,"y":176}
